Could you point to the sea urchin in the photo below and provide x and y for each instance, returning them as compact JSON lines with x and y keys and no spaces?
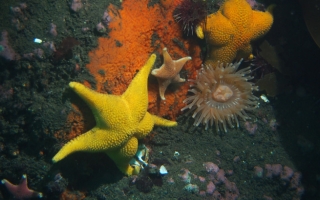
{"x":221,"y":95}
{"x":189,"y":14}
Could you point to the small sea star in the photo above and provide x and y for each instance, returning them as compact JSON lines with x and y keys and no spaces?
{"x":21,"y":191}
{"x":169,"y":72}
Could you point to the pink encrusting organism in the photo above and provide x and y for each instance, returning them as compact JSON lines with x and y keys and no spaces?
{"x":50,"y":46}
{"x":6,"y":51}
{"x":23,"y":6}
{"x":85,"y":29}
{"x":211,"y":167}
{"x":28,"y":56}
{"x":232,"y":192}
{"x":53,"y":30}
{"x":252,"y":3}
{"x":295,"y":181}
{"x":185,"y":176}
{"x":286,"y":173}
{"x":273,"y":170}
{"x":202,"y":179}
{"x":106,"y":18}
{"x":221,"y":178}
{"x":16,"y":11}
{"x":236,"y":159}
{"x":19,"y":16}
{"x":283,"y":173}
{"x":76,"y":5}
{"x":273,"y":124}
{"x":251,"y":127}
{"x":256,"y":5}
{"x":101,"y":28}
{"x":210,"y":188}
{"x":258,"y":171}
{"x":39,"y":53}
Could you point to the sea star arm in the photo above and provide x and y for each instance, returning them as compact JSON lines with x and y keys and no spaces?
{"x":219,"y":29}
{"x":170,"y":67}
{"x":163,"y":84}
{"x":145,"y":126}
{"x":167,"y":60}
{"x":262,"y":23}
{"x":103,"y":106}
{"x":148,"y":122}
{"x":123,"y":156}
{"x":13,"y":189}
{"x":21,"y":191}
{"x":94,"y":140}
{"x":178,"y":79}
{"x":159,"y":121}
{"x":167,"y":69}
{"x":137,"y":93}
{"x":221,"y":54}
{"x":180,"y":63}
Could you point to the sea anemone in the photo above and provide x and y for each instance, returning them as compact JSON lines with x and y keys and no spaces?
{"x":221,"y":94}
{"x":190,"y":13}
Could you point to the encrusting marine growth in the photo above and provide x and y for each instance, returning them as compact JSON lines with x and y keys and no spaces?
{"x":120,"y":121}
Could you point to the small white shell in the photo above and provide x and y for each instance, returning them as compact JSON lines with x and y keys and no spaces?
{"x":176,"y":155}
{"x":264,"y":98}
{"x":37,"y":40}
{"x":163,"y":170}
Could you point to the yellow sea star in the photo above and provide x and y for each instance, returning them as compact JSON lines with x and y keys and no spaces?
{"x":169,"y":72}
{"x":120,"y":121}
{"x":232,"y":28}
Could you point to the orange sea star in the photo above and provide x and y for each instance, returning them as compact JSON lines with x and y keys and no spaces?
{"x":232,"y":28}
